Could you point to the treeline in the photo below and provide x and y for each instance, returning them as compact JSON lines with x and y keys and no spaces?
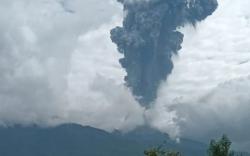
{"x":220,"y":147}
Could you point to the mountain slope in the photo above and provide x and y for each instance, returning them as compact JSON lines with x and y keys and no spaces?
{"x":75,"y":140}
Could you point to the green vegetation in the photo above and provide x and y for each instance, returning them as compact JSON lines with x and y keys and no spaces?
{"x":158,"y":152}
{"x":219,"y":147}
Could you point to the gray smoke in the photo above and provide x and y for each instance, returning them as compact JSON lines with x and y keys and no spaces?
{"x":149,"y":38}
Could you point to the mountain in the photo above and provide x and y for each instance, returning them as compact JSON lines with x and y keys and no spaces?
{"x":153,"y":138}
{"x":76,"y":140}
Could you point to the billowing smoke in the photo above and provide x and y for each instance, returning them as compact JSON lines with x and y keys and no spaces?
{"x":57,"y":65}
{"x":208,"y":90}
{"x":149,"y":38}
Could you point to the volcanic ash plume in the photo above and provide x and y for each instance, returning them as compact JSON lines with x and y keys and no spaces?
{"x":149,"y":38}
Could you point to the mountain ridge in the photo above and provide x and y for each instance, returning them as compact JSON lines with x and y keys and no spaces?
{"x":77,"y":140}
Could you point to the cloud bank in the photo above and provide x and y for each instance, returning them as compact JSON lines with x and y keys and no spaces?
{"x":58,"y":65}
{"x":209,"y":90}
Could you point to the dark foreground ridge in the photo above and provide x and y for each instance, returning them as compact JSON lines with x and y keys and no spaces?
{"x":149,"y":38}
{"x":75,"y":140}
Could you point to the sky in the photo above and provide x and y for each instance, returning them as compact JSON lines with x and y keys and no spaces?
{"x":58,"y":65}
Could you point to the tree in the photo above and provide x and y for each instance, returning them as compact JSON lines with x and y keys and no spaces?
{"x":220,"y":147}
{"x":161,"y":152}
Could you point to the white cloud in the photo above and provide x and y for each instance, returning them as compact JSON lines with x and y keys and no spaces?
{"x":58,"y":65}
{"x":96,"y":90}
{"x":209,"y":90}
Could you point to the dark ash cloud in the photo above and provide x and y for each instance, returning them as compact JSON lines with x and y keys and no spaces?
{"x":149,"y":38}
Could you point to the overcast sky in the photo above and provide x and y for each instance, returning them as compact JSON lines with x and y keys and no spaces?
{"x":58,"y":65}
